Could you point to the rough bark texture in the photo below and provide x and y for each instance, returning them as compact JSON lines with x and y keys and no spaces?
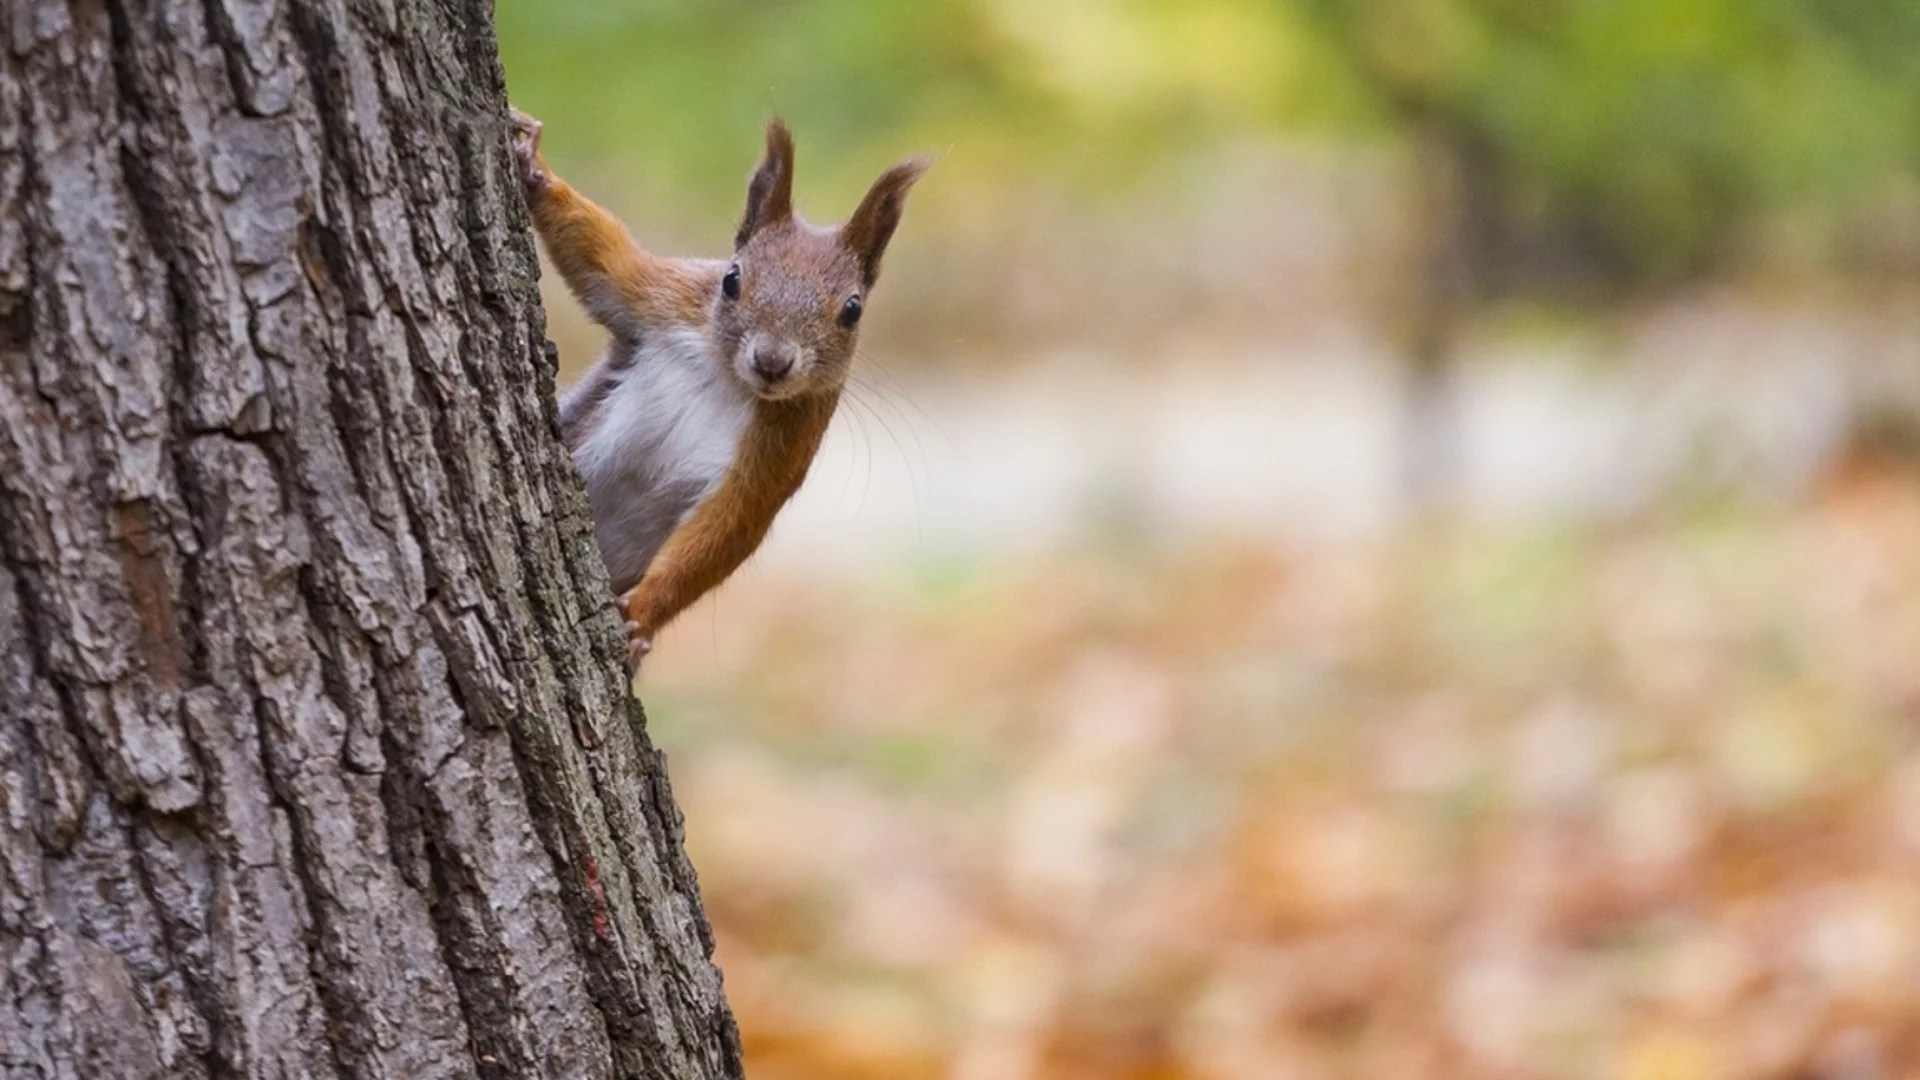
{"x":315,"y":754}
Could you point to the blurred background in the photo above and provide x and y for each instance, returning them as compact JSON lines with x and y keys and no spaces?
{"x":1370,"y":537}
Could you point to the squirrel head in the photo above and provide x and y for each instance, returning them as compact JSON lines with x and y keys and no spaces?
{"x":788,"y":309}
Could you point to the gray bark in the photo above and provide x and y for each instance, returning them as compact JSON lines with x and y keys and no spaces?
{"x":316,"y":754}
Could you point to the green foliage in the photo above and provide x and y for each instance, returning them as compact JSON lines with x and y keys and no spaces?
{"x":675,"y":92}
{"x":1660,"y":126}
{"x":1652,"y":130}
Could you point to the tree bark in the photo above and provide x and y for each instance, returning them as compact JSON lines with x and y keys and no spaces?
{"x":316,"y":754}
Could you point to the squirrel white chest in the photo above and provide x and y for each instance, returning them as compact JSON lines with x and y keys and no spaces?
{"x":665,"y":435}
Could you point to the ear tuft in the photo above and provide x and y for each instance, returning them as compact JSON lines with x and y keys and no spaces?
{"x":770,"y":192}
{"x":867,"y":232}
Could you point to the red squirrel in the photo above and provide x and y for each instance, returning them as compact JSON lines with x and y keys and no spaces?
{"x":719,"y":378}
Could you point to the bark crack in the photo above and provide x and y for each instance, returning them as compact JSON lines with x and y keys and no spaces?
{"x":346,"y":1024}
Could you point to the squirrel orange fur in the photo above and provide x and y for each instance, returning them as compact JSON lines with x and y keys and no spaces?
{"x":720,"y":376}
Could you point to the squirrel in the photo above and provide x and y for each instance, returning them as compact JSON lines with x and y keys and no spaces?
{"x":700,"y":420}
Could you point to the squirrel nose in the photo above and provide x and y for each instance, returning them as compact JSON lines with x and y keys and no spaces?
{"x":772,"y":364}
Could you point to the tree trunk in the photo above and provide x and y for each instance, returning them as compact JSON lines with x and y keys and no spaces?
{"x":316,"y":758}
{"x":1456,"y":222}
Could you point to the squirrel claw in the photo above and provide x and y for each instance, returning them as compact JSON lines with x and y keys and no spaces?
{"x":526,"y":151}
{"x":638,"y":646}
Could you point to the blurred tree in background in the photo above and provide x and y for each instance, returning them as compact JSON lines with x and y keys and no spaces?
{"x":1607,"y":145}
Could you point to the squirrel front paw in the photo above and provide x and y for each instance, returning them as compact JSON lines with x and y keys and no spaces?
{"x":639,"y":635}
{"x":638,"y":646}
{"x":526,"y":152}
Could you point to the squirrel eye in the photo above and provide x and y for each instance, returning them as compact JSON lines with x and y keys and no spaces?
{"x":731,"y":283}
{"x":850,"y":312}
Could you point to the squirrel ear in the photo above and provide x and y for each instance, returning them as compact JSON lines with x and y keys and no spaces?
{"x":866,"y":233}
{"x":770,"y":192}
